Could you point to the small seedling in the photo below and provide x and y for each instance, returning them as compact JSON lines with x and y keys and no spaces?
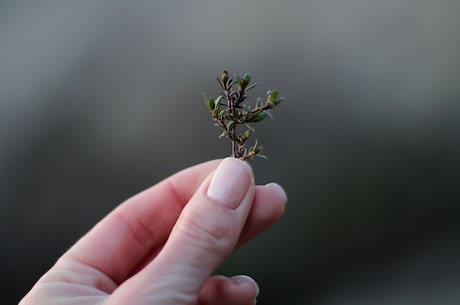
{"x":229,"y":110}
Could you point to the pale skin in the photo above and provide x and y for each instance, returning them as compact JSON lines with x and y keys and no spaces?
{"x":162,"y":245}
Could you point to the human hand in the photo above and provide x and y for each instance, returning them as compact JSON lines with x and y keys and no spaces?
{"x":162,"y":245}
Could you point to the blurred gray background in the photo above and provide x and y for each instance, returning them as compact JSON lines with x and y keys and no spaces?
{"x":101,"y":99}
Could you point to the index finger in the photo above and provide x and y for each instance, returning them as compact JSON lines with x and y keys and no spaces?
{"x":131,"y":235}
{"x":125,"y":237}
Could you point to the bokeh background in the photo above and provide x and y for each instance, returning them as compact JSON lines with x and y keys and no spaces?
{"x":101,"y":99}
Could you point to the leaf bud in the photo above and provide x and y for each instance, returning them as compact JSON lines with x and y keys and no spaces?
{"x":224,"y":76}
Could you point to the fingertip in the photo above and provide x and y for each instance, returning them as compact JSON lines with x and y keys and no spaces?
{"x":278,"y":190}
{"x":269,"y":205}
{"x":279,"y":195}
{"x":270,"y":202}
{"x":247,"y":282}
{"x":230,"y":182}
{"x":236,"y":290}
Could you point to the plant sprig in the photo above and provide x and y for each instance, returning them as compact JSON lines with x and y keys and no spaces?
{"x":230,"y":109}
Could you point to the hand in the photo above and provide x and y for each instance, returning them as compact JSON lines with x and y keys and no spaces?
{"x":161,"y":246}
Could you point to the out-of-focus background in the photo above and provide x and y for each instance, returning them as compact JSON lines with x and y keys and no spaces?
{"x":101,"y":99}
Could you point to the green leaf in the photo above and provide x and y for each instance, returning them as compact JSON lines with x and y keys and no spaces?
{"x":259,"y":103}
{"x":215,"y":113}
{"x":258,"y":149}
{"x":249,"y":127}
{"x":256,"y":117}
{"x":222,"y":113}
{"x":209,"y":102}
{"x":217,"y":101}
{"x":272,"y":96}
{"x":247,"y":78}
{"x":229,"y":84}
{"x":251,"y":86}
{"x":230,"y":125}
{"x":281,"y":99}
{"x":239,"y":83}
{"x":244,"y":107}
{"x":219,"y":125}
{"x":238,"y":79}
{"x":261,"y":156}
{"x":245,"y":135}
{"x":223,"y":135}
{"x":221,"y":84}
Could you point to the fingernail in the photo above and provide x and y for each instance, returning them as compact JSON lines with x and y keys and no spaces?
{"x":230,"y":183}
{"x":240,"y":279}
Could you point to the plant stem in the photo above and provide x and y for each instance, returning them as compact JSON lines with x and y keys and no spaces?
{"x":228,"y":111}
{"x":232,"y":130}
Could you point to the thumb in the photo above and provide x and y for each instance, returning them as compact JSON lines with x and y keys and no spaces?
{"x":205,"y":233}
